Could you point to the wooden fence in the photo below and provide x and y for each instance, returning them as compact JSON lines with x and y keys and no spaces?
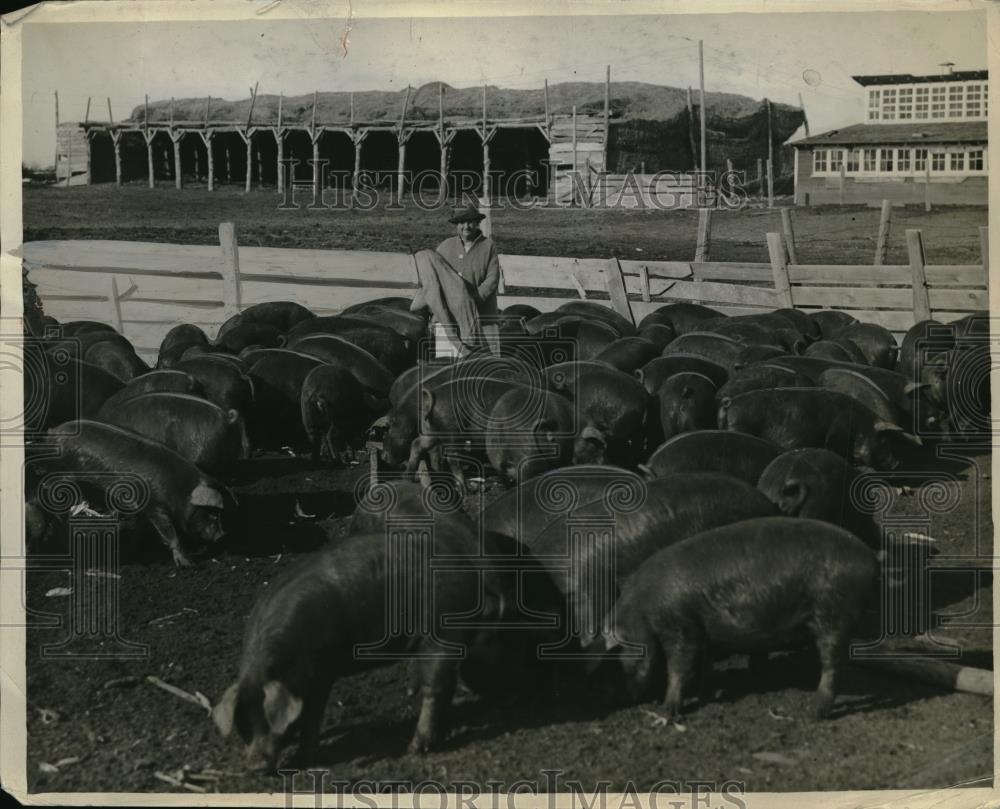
{"x":144,"y":289}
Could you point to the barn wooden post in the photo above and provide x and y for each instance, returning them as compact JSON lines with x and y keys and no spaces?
{"x":572,"y":176}
{"x":207,"y":137}
{"x":786,"y":227}
{"x":279,"y":137}
{"x":704,"y":244}
{"x":984,"y":249}
{"x":230,"y":270}
{"x":486,"y":152}
{"x":703,"y":161}
{"x":149,"y":159}
{"x":779,"y":268}
{"x":548,"y":123}
{"x":402,"y":136}
{"x":770,"y":184}
{"x":248,"y":140}
{"x":316,"y":172}
{"x":56,"y":163}
{"x":175,"y":138}
{"x":607,"y":115}
{"x":882,"y":244}
{"x":359,"y":138}
{"x":770,"y":140}
{"x":921,"y":297}
{"x":694,"y":147}
{"x":197,"y":165}
{"x":116,"y":142}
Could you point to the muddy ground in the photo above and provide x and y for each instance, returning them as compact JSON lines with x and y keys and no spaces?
{"x":757,"y":730}
{"x":113,"y":730}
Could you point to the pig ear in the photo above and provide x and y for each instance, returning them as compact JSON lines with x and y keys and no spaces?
{"x":427,"y":400}
{"x":590,"y":433}
{"x":887,"y":426}
{"x":224,"y":711}
{"x":796,"y":491}
{"x":205,"y":495}
{"x":232,"y":415}
{"x":281,"y":707}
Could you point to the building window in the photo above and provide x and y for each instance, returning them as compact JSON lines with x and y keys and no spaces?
{"x":920,"y":108}
{"x":871,"y":156}
{"x":937,"y":102}
{"x":957,"y":161}
{"x":955,"y":98}
{"x":937,"y":161}
{"x":853,"y":160}
{"x":885,"y":164}
{"x":902,"y":160}
{"x":873,"y":105}
{"x":973,"y":101}
{"x":819,"y":161}
{"x":889,"y":105}
{"x":905,"y":103}
{"x":976,"y":160}
{"x":920,"y":160}
{"x":836,"y":160}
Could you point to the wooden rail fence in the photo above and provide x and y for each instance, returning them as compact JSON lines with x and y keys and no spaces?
{"x":144,"y":289}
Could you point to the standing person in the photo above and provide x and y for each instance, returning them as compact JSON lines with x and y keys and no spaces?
{"x":474,"y":257}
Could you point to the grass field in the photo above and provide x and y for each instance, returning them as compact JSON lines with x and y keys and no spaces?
{"x":835,"y":235}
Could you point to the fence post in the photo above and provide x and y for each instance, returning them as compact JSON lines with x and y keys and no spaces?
{"x":786,"y":227}
{"x":644,"y":280}
{"x":704,"y":244}
{"x":615,"y":281}
{"x":776,"y":250}
{"x":984,"y":249}
{"x":770,"y":185}
{"x":230,"y":269}
{"x":882,"y":245}
{"x":921,"y":298}
{"x":116,"y":305}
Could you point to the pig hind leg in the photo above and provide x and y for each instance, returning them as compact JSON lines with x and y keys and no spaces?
{"x":832,"y":639}
{"x":683,"y":657}
{"x":439,"y":677}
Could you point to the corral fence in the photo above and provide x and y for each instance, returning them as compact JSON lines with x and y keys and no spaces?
{"x":144,"y":289}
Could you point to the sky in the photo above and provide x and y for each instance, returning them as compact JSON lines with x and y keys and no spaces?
{"x":758,"y":55}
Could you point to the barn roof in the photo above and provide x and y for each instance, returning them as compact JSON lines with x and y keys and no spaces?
{"x":915,"y":133}
{"x":907,"y":78}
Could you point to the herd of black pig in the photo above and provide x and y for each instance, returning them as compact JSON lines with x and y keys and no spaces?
{"x":725,"y":448}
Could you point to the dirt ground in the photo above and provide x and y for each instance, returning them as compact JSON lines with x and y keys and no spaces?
{"x":757,"y":730}
{"x":192,"y":216}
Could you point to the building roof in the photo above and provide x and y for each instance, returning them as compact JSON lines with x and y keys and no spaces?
{"x":915,"y":133}
{"x":907,"y":78}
